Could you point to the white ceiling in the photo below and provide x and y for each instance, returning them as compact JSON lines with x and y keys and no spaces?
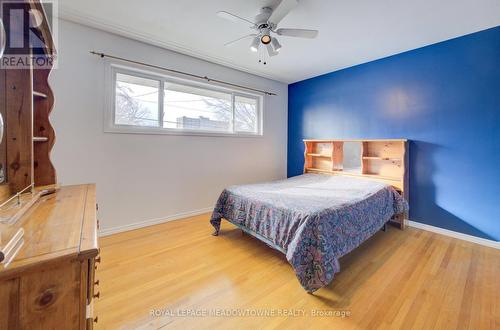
{"x":351,"y":31}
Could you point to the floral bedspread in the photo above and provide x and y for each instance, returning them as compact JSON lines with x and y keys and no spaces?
{"x":313,"y":219}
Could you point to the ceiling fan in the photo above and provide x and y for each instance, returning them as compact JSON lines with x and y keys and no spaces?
{"x":266,"y":24}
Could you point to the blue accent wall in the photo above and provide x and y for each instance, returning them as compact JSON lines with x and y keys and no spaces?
{"x":445,"y":98}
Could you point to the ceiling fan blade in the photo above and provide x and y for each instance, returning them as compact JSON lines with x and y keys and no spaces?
{"x":241,"y":38}
{"x":282,"y":10}
{"x":270,"y":50}
{"x":300,"y":33}
{"x":233,"y":17}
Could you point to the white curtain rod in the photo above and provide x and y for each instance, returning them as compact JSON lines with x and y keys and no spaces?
{"x":102,"y":55}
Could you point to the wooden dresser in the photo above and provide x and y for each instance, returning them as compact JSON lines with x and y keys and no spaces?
{"x":50,"y":284}
{"x":48,"y":240}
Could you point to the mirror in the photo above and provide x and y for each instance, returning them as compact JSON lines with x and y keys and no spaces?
{"x":1,"y":128}
{"x":352,"y":157}
{"x":2,"y":172}
{"x":3,"y":38}
{"x":2,"y":48}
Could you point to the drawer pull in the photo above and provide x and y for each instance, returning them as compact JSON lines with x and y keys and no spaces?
{"x":97,"y":295}
{"x":98,"y":259}
{"x":96,"y":319}
{"x":96,"y":282}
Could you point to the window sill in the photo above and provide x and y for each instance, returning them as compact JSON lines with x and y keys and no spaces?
{"x":164,"y":131}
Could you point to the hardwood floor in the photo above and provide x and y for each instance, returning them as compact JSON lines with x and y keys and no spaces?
{"x":397,"y":279}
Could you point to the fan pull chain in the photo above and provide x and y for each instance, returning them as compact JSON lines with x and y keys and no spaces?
{"x":262,"y":54}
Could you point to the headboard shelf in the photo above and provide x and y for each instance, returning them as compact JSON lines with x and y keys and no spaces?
{"x":379,"y":160}
{"x":319,"y":155}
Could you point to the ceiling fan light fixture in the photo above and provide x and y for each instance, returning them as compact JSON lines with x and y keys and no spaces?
{"x":266,"y":39}
{"x":254,"y":46}
{"x":265,"y":36}
{"x":276,"y":44}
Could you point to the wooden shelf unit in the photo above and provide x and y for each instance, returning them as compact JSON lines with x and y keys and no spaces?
{"x":43,"y":102}
{"x":26,"y":101}
{"x":323,"y":155}
{"x":380,"y":160}
{"x":383,"y":158}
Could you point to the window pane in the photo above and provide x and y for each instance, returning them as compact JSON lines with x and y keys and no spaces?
{"x":136,"y":101}
{"x":246,"y":114}
{"x":192,"y":108}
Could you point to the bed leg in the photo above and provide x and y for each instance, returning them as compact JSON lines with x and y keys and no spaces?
{"x":401,"y":219}
{"x":384,"y":228}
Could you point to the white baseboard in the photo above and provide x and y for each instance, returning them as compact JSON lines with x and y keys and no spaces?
{"x":437,"y":230}
{"x":146,"y":223}
{"x":454,"y":234}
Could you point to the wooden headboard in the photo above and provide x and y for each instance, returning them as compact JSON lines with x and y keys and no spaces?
{"x":384,"y":161}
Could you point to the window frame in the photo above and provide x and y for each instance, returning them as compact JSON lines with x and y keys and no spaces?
{"x":113,"y":68}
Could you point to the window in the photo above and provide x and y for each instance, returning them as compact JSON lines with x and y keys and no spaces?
{"x":136,"y":101}
{"x":150,"y":103}
{"x":192,"y":108}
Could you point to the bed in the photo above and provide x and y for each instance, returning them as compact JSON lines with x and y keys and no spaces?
{"x":314,"y":218}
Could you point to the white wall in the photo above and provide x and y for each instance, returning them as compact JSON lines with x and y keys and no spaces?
{"x":146,"y":177}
